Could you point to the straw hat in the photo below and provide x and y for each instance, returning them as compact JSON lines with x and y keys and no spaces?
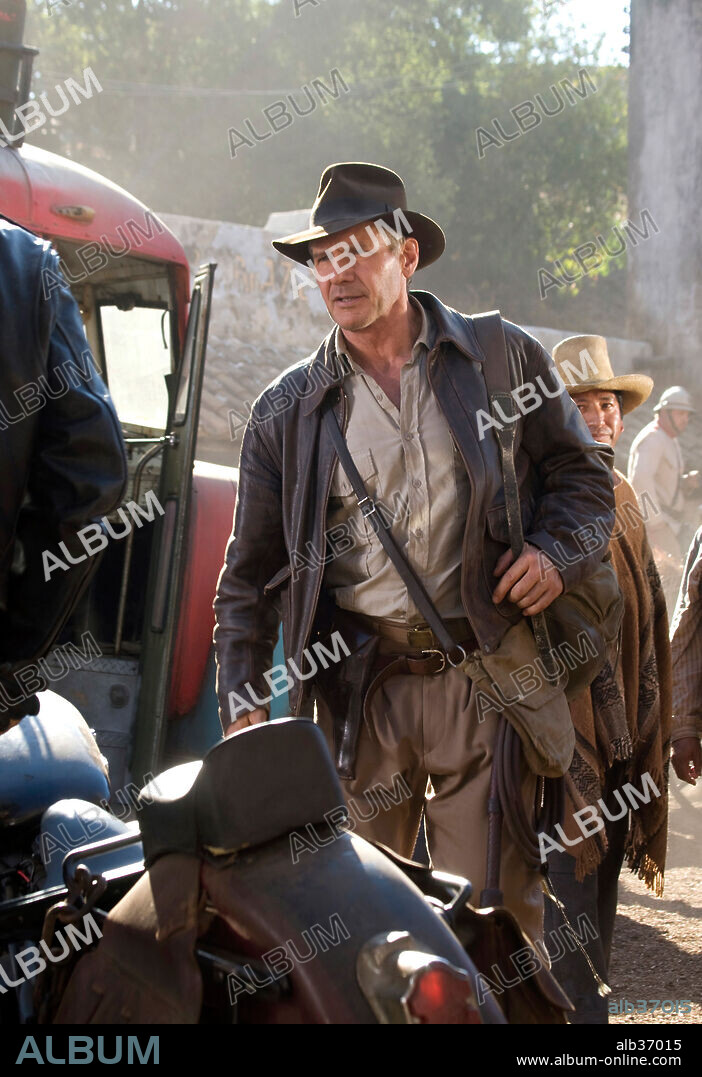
{"x":352,"y":192}
{"x":584,"y":364}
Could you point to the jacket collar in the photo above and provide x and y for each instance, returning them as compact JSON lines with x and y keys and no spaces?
{"x":327,"y":369}
{"x":453,"y":327}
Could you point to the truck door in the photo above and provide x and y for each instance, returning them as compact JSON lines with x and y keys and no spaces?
{"x":170,"y":548}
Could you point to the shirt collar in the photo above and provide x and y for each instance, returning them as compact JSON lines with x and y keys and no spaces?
{"x":451,"y":326}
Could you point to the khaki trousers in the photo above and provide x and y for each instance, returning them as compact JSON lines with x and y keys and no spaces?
{"x":427,"y":729}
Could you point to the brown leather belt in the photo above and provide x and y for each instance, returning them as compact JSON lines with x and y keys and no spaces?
{"x":418,"y":637}
{"x":394,"y":664}
{"x":426,"y":657}
{"x":403,"y":649}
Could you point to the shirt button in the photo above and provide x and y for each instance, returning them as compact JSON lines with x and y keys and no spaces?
{"x":416,"y":483}
{"x":408,"y":437}
{"x":419,"y":533}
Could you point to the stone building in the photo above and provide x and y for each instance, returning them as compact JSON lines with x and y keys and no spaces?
{"x":665,"y":178}
{"x":262,"y":321}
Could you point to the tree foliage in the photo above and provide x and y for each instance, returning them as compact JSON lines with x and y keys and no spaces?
{"x":423,"y":77}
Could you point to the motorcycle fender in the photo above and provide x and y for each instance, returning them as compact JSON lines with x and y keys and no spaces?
{"x":144,"y":969}
{"x":308,"y":917}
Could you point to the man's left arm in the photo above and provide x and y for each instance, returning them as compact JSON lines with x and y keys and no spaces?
{"x":78,"y":472}
{"x":574,"y":513}
{"x":80,"y":468}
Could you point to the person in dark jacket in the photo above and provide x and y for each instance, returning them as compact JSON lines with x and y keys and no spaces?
{"x":403,"y":374}
{"x":64,"y":462}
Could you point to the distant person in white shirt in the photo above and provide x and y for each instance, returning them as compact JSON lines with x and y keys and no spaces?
{"x":656,"y":469}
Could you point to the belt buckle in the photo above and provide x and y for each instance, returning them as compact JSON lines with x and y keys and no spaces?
{"x":420,"y":638}
{"x":433,"y":650}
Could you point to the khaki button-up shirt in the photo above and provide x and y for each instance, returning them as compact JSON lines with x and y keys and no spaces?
{"x":655,"y":469}
{"x":410,"y":465}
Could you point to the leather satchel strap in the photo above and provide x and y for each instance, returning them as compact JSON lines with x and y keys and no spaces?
{"x":491,"y":337}
{"x":368,"y":509}
{"x":390,"y":666}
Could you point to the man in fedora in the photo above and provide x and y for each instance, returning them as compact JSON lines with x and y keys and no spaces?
{"x":402,"y":375}
{"x":656,"y":469}
{"x":623,"y":721}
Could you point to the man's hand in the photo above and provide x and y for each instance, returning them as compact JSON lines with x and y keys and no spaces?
{"x":532,"y":582}
{"x":687,"y":759}
{"x":260,"y":714}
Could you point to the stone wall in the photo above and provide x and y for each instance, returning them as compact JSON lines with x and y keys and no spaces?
{"x":257,"y":329}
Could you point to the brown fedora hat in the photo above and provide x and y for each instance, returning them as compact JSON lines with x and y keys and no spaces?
{"x":352,"y":192}
{"x":583,"y":363}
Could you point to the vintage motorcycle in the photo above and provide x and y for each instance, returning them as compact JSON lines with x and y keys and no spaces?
{"x":202,"y":889}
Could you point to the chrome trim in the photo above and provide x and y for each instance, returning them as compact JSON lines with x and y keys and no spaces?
{"x":387,"y":968}
{"x":461,"y":660}
{"x":367,"y":511}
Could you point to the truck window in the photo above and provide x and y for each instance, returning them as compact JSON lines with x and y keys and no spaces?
{"x":136,"y":361}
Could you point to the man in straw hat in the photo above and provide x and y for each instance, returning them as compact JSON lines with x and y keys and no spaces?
{"x":656,"y":469}
{"x":402,"y":375}
{"x":623,"y":721}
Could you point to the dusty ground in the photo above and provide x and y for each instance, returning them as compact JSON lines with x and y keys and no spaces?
{"x":657,"y":950}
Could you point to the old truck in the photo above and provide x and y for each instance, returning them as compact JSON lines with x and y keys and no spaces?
{"x":146,"y":684}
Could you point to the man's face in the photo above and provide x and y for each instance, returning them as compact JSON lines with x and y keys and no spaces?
{"x":600,"y":410}
{"x":680,"y":418}
{"x":366,"y":276}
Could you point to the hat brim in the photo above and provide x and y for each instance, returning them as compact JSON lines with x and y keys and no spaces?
{"x":429,"y":235}
{"x":674,"y":407}
{"x":635,"y":389}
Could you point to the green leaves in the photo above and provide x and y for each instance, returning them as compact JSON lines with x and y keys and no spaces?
{"x":424,"y":77}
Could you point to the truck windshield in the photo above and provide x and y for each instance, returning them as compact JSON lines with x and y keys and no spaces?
{"x":136,"y":361}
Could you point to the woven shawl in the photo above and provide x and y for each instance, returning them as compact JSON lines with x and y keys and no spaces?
{"x":626,"y":714}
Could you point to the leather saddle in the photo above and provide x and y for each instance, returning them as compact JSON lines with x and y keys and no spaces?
{"x":256,"y":786}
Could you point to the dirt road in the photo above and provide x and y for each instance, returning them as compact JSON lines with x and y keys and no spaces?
{"x":657,"y":950}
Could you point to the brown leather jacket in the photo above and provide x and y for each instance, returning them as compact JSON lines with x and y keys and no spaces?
{"x":275,"y":558}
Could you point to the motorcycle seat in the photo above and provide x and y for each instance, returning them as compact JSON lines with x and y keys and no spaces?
{"x":256,"y":786}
